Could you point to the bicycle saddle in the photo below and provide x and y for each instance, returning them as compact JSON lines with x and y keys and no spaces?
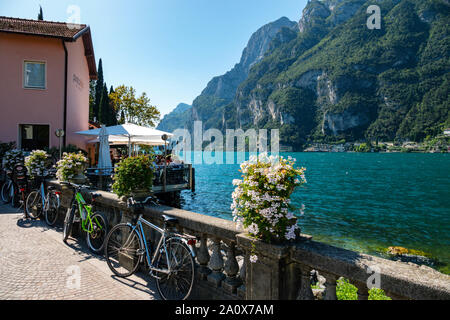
{"x":51,"y":188}
{"x":169,"y":219}
{"x":96,"y":195}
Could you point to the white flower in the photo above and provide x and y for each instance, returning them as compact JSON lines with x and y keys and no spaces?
{"x":237,"y":182}
{"x":239,"y":225}
{"x":290,"y":215}
{"x":290,"y":234}
{"x":253,"y":229}
{"x":253,"y":258}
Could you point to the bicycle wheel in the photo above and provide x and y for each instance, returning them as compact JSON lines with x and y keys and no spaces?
{"x":123,"y":250}
{"x":51,"y":209}
{"x":6,"y":192}
{"x":68,"y":222}
{"x":176,"y":285}
{"x":33,"y":205}
{"x":95,"y":238}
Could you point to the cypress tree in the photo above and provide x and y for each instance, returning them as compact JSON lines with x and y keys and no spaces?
{"x":98,"y":91}
{"x":41,"y":14}
{"x":104,"y":109}
{"x":91,"y":99}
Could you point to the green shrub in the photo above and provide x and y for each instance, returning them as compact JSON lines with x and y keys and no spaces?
{"x":346,"y":291}
{"x":133,"y":173}
{"x":363,"y":147}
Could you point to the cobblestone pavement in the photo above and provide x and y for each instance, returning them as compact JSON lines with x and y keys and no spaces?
{"x":36,"y":264}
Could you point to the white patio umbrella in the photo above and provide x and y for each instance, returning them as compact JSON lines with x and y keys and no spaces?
{"x":115,"y":140}
{"x":104,"y":157}
{"x":131,"y":132}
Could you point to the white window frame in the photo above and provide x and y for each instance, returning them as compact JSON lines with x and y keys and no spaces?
{"x":25,"y":86}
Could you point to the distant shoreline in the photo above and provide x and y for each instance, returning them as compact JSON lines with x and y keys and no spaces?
{"x":439,"y":144}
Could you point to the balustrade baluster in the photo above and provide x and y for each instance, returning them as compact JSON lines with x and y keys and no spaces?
{"x":231,"y":269}
{"x":216,"y":264}
{"x":363,"y":292}
{"x":203,"y":258}
{"x":330,"y":285}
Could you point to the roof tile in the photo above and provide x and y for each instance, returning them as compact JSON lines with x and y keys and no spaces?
{"x":40,"y":28}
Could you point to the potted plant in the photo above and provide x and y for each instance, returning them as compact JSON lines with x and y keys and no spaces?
{"x":12,"y":158}
{"x":71,"y":167}
{"x":37,"y":163}
{"x":134,"y":176}
{"x":261,"y":200}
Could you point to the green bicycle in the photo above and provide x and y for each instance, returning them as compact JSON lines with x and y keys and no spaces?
{"x":95,"y":224}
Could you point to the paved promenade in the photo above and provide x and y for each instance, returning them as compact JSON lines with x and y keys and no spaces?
{"x":36,"y":264}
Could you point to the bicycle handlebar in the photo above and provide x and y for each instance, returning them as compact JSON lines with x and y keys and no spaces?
{"x":75,"y":186}
{"x":131,"y":202}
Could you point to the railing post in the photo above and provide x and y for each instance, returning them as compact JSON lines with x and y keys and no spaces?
{"x":305,"y":291}
{"x":270,"y":277}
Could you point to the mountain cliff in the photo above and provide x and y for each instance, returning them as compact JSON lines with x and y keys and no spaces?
{"x":340,"y":80}
{"x":330,"y":77}
{"x":175,"y":119}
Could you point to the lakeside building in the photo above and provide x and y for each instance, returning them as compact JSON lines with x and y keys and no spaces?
{"x":45,"y":72}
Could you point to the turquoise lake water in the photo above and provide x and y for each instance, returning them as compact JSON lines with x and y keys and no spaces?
{"x":359,"y":201}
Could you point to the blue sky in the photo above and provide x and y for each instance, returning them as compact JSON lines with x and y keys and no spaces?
{"x":167,"y":48}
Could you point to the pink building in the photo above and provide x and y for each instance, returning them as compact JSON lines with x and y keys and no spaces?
{"x":45,"y":69}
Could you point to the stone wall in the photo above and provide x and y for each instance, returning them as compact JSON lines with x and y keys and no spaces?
{"x":282,"y":271}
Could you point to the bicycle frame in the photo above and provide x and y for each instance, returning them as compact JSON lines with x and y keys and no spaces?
{"x":161,"y":244}
{"x":43,"y":197}
{"x":87,"y":221}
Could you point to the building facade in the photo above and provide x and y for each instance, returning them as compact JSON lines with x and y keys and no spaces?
{"x":45,"y":69}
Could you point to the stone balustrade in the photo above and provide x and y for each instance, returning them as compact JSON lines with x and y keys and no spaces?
{"x":283,"y":271}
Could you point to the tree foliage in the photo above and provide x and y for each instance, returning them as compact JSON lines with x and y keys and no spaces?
{"x":137,"y":110}
{"x":41,"y":14}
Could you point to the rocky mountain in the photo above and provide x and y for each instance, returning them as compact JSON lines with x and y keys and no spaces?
{"x":340,"y":80}
{"x":221,"y":89}
{"x":175,"y":119}
{"x":331,"y":78}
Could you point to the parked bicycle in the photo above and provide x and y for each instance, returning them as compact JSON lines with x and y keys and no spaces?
{"x":7,"y":191}
{"x":95,"y":224}
{"x":39,"y":202}
{"x":172,"y":263}
{"x":15,"y":189}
